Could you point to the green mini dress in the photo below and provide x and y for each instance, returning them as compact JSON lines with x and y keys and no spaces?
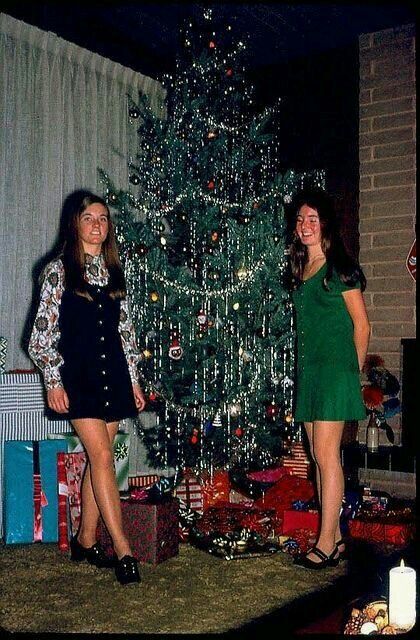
{"x":328,"y":382}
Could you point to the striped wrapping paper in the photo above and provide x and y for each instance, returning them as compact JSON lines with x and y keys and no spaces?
{"x":142,"y":482}
{"x":190,"y":493}
{"x":22,"y":415}
{"x":297,"y":467}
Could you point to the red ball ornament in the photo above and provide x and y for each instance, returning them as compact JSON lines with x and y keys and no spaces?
{"x":212,"y":44}
{"x":229,"y":72}
{"x":210,"y":184}
{"x":272,"y":410}
{"x":152,"y":396}
{"x":239,"y":432}
{"x":194,"y":437}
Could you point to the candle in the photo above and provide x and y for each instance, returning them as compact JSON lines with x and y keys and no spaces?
{"x":402,"y":597}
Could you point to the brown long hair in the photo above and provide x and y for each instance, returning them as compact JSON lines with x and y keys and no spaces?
{"x":73,"y":255}
{"x":348,"y":270}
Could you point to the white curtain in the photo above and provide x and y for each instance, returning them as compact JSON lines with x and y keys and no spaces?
{"x":63,"y":114}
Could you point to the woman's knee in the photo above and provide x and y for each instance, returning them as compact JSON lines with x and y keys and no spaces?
{"x":101,"y":459}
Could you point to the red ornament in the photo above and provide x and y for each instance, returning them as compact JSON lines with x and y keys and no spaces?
{"x":239,"y":432}
{"x":212,"y":44}
{"x":210,"y":184}
{"x":194,"y":437}
{"x":229,"y":72}
{"x":272,"y":410}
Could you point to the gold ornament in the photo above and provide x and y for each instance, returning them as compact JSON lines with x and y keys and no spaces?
{"x":154,"y":296}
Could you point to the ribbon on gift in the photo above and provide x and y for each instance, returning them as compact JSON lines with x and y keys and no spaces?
{"x":63,"y":538}
{"x":40,"y":499}
{"x":74,"y":464}
{"x":141,"y":495}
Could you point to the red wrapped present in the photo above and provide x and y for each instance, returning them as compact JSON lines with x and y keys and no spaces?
{"x":293,"y":520}
{"x":215,"y":487}
{"x":227,"y":517}
{"x":267,"y":475}
{"x":286,"y":491}
{"x":190,"y":493}
{"x":298,"y":462}
{"x":143,"y":481}
{"x":382,"y":531}
{"x":152,"y":530}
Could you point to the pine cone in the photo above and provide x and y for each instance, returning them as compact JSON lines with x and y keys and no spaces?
{"x":389,"y":630}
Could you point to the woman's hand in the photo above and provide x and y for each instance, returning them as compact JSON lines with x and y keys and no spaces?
{"x":139,"y":399}
{"x":58,"y":400}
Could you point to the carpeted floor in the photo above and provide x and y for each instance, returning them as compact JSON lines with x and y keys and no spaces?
{"x":196,"y":593}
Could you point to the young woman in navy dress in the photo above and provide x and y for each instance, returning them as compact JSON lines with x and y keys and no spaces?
{"x":83,"y":341}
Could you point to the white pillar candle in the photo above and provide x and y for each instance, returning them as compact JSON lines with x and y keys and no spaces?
{"x":402,"y":597}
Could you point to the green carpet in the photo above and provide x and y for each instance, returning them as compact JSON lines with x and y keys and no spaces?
{"x":43,"y":591}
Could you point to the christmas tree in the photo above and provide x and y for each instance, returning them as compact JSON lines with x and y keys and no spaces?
{"x":201,"y":230}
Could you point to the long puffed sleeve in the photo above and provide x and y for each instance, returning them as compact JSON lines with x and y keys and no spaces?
{"x":45,"y":332}
{"x":128,"y":339}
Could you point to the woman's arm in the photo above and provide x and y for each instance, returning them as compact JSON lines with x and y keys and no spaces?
{"x":45,"y":332}
{"x":356,"y":307}
{"x":128,"y":340}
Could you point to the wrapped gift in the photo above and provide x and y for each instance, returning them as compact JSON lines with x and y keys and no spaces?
{"x":22,"y":415}
{"x":216,"y":488}
{"x":189,"y":492}
{"x":293,"y":520}
{"x":63,"y":525}
{"x":285,"y":492}
{"x":142,"y":481}
{"x":121,"y":448}
{"x":152,"y":530}
{"x":3,"y":353}
{"x":227,"y":518}
{"x":382,"y":531}
{"x":297,"y":463}
{"x":30,"y":488}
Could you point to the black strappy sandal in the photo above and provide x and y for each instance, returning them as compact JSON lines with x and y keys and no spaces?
{"x":343,"y":554}
{"x":325,"y":561}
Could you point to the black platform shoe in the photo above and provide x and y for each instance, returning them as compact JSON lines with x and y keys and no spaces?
{"x":94,"y":555}
{"x":126,"y":570}
{"x":325,"y":561}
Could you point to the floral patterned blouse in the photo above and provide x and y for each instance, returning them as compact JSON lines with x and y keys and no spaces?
{"x":43,"y":344}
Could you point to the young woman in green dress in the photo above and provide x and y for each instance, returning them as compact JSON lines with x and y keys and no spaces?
{"x":332,"y":340}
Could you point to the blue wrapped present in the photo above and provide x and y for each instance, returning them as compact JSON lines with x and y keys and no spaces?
{"x":31,"y":490}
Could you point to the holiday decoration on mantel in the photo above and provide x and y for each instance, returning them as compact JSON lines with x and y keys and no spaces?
{"x":201,"y":232}
{"x":380,"y":393}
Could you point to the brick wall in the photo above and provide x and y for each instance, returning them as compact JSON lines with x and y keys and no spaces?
{"x":387,"y":188}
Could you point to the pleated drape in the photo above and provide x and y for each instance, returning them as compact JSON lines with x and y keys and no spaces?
{"x":63,"y":114}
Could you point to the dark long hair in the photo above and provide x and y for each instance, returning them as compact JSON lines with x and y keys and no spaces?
{"x":73,"y":256}
{"x":348,"y":269}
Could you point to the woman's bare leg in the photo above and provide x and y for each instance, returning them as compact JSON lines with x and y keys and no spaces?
{"x":326,"y":445}
{"x":96,"y":438}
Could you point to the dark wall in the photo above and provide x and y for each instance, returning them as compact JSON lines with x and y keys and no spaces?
{"x":319,"y":123}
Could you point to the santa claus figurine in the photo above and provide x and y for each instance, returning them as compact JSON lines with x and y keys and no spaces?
{"x":175,"y":350}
